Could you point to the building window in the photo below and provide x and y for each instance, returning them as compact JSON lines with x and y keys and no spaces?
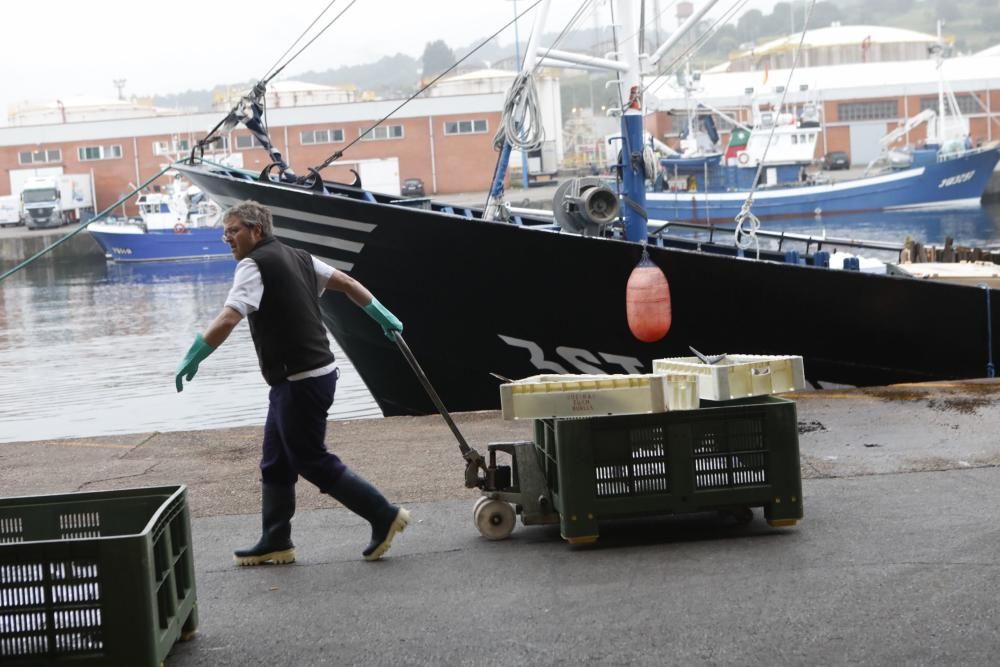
{"x":87,"y":153}
{"x":967,"y":103}
{"x":878,"y":110}
{"x":171,"y":147}
{"x":384,"y":132}
{"x":466,"y":127}
{"x":40,"y":156}
{"x":322,"y":136}
{"x":244,"y":141}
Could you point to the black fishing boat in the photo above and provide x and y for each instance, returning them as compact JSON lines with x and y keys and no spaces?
{"x":520,"y":299}
{"x":483,"y":297}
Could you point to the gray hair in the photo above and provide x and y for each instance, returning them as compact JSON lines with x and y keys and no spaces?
{"x":252,"y":214}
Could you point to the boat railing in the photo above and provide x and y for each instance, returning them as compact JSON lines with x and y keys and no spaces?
{"x":722,"y":233}
{"x":662,"y":227}
{"x":944,"y":157}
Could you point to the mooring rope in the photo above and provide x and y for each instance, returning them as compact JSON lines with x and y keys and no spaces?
{"x":83,"y":225}
{"x":744,"y":239}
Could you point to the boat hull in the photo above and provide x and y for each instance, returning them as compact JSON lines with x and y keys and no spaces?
{"x":137,"y":246}
{"x":478,"y":298}
{"x":955,"y":182}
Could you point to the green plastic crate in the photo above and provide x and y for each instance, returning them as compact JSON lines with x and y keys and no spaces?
{"x":101,"y":578}
{"x":727,"y":456}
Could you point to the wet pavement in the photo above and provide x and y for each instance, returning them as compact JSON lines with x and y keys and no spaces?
{"x":895,"y":561}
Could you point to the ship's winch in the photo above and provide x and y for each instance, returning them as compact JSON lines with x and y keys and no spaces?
{"x":585,"y":205}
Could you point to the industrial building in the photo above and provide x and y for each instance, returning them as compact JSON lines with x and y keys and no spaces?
{"x":444,"y":141}
{"x":444,"y":138}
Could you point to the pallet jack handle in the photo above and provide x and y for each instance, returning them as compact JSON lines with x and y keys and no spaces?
{"x":474,"y":461}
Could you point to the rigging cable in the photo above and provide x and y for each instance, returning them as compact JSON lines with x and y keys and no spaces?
{"x":238,"y":112}
{"x":745,"y":238}
{"x":83,"y":225}
{"x":330,"y":160}
{"x":309,"y":43}
{"x":694,"y":46}
{"x":522,"y":102}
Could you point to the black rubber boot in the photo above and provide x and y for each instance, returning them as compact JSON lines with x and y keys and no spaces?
{"x":358,"y":495}
{"x":275,"y":545}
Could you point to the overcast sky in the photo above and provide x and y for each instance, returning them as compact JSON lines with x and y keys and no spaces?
{"x":56,"y":49}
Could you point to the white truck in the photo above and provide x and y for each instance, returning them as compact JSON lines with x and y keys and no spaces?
{"x":10,"y":210}
{"x":52,"y":201}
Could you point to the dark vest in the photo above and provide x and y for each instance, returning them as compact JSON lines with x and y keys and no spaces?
{"x":287,"y":328}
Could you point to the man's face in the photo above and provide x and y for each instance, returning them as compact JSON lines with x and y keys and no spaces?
{"x":241,"y":239}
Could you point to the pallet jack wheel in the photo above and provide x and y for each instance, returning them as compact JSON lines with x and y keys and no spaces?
{"x":479,"y":503}
{"x":495,"y":519}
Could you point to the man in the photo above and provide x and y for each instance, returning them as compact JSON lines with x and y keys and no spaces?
{"x":277,"y":289}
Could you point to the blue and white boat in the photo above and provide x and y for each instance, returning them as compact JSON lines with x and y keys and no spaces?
{"x":179,"y":223}
{"x":773,"y":157}
{"x":781,"y":146}
{"x":934,"y":180}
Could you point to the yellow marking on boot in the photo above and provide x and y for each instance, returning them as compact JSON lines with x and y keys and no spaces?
{"x":399,"y":524}
{"x":782,"y":523}
{"x":582,"y":540}
{"x":282,"y":557}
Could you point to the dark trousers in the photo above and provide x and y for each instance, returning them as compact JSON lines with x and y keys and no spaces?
{"x":295,"y":432}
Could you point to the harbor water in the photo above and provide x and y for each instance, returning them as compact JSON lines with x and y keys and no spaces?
{"x":89,"y":348}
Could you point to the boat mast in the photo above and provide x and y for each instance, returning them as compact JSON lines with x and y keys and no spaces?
{"x":939,"y":62}
{"x":632,"y":168}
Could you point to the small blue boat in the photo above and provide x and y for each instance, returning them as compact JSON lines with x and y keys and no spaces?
{"x":129,"y":243}
{"x":178,"y":224}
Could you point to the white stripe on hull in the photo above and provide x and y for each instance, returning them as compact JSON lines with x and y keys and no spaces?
{"x":336,"y":263}
{"x":292,"y":214}
{"x":316,"y":239}
{"x":786,"y":193}
{"x":971,"y":202}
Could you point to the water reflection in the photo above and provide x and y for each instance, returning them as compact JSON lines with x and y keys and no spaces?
{"x":977,"y":227}
{"x":218,"y":270}
{"x":88,"y":348}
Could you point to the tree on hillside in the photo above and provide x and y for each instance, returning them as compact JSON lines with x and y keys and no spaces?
{"x":824,"y":14}
{"x":750,"y":26}
{"x":946,"y":10}
{"x":437,"y":58}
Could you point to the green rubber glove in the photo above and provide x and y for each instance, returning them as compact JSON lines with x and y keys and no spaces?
{"x":195,"y":355}
{"x":386,"y":320}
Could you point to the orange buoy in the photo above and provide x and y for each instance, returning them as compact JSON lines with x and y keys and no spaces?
{"x":647,"y":301}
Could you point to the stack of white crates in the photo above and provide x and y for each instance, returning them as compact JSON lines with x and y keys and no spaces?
{"x":546,"y":396}
{"x":738,"y":375}
{"x":677,"y":383}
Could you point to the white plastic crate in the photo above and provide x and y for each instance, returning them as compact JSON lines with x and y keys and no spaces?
{"x":544,"y":396}
{"x":739,"y":375}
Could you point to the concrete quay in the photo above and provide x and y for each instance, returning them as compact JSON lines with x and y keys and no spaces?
{"x":895,"y":561}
